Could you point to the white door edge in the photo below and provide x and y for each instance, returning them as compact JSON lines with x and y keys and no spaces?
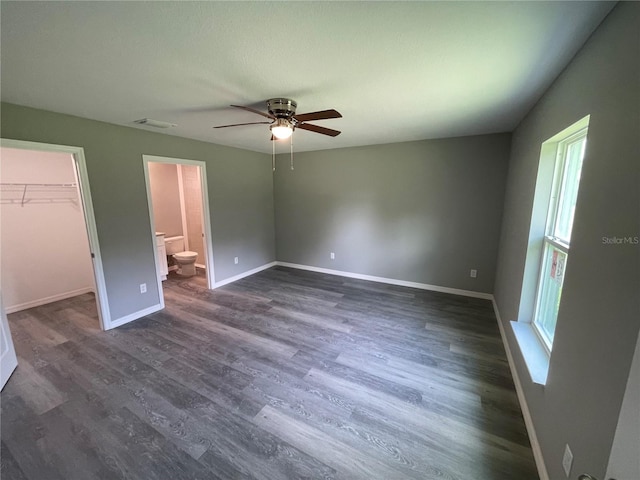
{"x":8,"y":360}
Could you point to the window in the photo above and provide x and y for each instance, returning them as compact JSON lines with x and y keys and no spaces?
{"x":557,"y":239}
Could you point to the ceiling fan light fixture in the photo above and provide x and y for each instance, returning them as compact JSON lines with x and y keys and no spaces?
{"x":282,"y":129}
{"x":284,"y":120}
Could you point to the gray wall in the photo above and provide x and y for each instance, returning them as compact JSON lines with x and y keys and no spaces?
{"x":600,"y":313}
{"x":240,"y":194}
{"x":426,"y":211}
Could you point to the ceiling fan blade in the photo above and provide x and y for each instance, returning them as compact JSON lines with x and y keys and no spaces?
{"x":321,"y":115}
{"x":249,"y":109}
{"x":318,"y":129}
{"x":240,"y":124}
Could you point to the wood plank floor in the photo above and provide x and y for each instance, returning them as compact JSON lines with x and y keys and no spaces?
{"x":285,"y":374}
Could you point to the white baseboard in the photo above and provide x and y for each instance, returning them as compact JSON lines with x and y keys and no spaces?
{"x":391,"y":281}
{"x":528,"y":421}
{"x":235,"y":278}
{"x":51,"y":299}
{"x":135,"y":315}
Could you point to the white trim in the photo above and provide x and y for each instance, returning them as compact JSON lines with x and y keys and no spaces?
{"x":136,"y":315}
{"x":156,"y":260}
{"x":208,"y":239}
{"x":528,"y":421}
{"x":390,"y":281}
{"x":102,"y":301}
{"x":240,"y":276}
{"x":8,"y":359}
{"x":206,"y":225}
{"x":51,"y":299}
{"x":183,"y":207}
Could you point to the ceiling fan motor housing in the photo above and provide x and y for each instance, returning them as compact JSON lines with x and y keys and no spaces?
{"x":281,"y":107}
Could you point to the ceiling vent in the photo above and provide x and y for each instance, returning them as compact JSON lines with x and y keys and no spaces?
{"x":154,"y":123}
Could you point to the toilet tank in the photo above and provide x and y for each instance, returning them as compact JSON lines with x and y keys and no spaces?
{"x":174,"y":244}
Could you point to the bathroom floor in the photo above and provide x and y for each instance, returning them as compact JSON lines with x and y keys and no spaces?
{"x":199,"y":279}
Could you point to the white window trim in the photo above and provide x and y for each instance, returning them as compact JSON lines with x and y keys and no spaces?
{"x":536,"y":356}
{"x":557,"y":192}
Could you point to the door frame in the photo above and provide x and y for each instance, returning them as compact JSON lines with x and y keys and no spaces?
{"x":206,"y":220}
{"x":8,"y":359}
{"x":77,"y":153}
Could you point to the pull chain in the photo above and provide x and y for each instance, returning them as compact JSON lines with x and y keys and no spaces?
{"x":291,"y":137}
{"x":273,"y":154}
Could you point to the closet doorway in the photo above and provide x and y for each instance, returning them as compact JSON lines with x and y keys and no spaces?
{"x":178,"y":202}
{"x":49,"y":244}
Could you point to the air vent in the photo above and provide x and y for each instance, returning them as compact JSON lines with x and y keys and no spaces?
{"x":154,"y":123}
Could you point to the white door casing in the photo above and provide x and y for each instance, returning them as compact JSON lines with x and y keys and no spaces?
{"x":206,"y":224}
{"x":104,"y":315}
{"x":8,"y":360}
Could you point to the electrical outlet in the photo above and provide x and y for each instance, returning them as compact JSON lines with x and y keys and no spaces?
{"x":235,"y":260}
{"x":473,"y":273}
{"x":567,"y":460}
{"x":143,"y":288}
{"x":332,"y":255}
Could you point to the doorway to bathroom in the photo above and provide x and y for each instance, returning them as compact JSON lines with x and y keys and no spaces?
{"x":49,"y":241}
{"x":179,"y":212}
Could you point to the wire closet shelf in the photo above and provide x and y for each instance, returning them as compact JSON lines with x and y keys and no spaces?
{"x":31,"y":193}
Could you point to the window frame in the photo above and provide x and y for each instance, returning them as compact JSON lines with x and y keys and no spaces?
{"x":550,"y":240}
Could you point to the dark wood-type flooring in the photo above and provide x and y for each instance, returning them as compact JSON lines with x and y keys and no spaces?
{"x":285,"y":374}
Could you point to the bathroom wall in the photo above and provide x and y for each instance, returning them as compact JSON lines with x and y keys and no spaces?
{"x":192,"y":192}
{"x":44,"y":249}
{"x":165,"y":197}
{"x":169,"y":182}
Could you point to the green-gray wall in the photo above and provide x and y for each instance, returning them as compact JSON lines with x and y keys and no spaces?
{"x":240,"y":194}
{"x":600,"y":313}
{"x":426,"y":211}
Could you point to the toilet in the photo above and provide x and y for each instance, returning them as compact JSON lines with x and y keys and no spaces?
{"x":186,"y":260}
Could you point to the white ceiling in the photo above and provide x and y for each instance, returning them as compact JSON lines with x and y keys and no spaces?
{"x":397,"y":71}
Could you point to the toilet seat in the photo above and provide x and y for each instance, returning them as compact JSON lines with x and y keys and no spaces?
{"x":185,"y":255}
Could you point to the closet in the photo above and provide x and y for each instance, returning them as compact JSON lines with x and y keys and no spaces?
{"x":44,"y":248}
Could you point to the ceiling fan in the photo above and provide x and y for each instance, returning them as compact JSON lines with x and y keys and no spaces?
{"x":283,"y":119}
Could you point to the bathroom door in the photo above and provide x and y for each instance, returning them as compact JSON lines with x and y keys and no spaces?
{"x":8,"y":360}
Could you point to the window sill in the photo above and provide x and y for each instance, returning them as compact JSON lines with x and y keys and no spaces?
{"x":534,"y":353}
